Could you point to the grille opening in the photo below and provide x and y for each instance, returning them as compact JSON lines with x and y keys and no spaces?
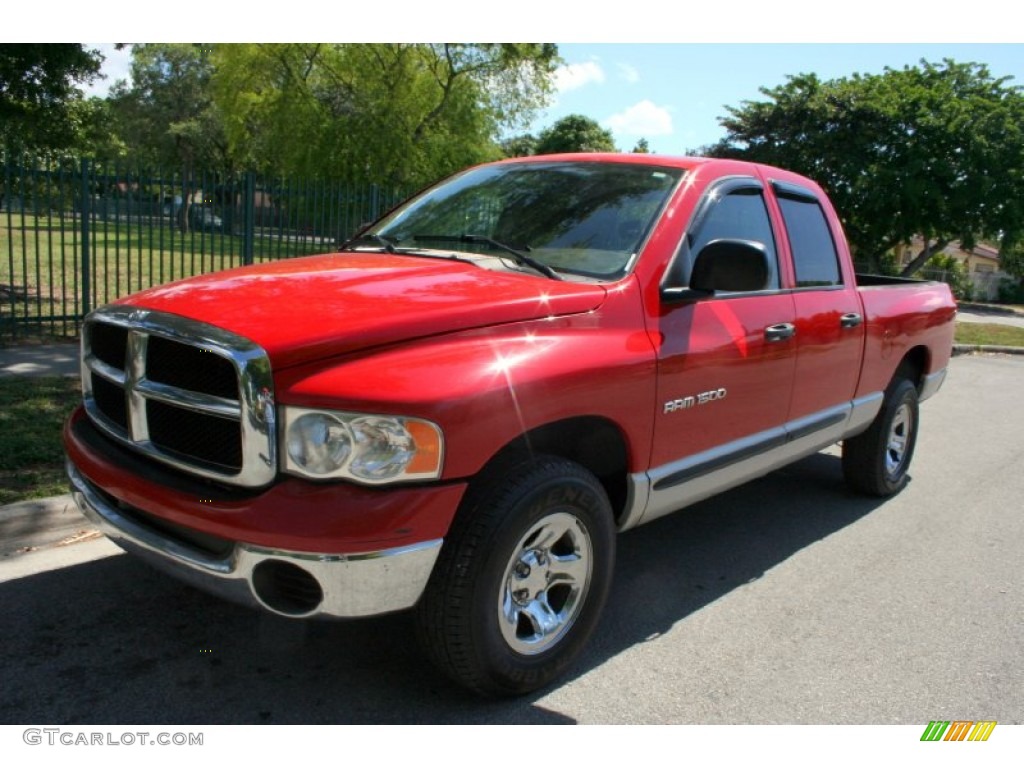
{"x":156,"y":384}
{"x":109,"y":343}
{"x":195,"y":436}
{"x":193,"y":368}
{"x":110,"y":400}
{"x":286,"y":588}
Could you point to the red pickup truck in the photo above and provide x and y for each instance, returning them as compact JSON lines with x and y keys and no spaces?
{"x":458,"y":411}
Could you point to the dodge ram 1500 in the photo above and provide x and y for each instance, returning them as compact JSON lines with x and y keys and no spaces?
{"x":458,"y":411}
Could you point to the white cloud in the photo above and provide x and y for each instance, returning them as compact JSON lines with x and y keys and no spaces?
{"x":629,"y":73}
{"x":644,"y":118}
{"x":569,"y":77}
{"x":116,"y":66}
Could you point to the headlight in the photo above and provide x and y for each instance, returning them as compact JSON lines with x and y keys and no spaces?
{"x":319,"y":443}
{"x":360,"y":447}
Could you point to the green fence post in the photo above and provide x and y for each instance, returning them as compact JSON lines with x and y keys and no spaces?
{"x":249,"y":224}
{"x":7,"y":196}
{"x":84,"y":212}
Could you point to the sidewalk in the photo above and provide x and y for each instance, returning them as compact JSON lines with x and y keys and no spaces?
{"x":39,"y":523}
{"x":40,"y":360}
{"x":990,"y":309}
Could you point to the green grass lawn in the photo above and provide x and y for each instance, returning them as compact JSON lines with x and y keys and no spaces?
{"x":32,"y":413}
{"x":41,"y":269}
{"x":989,"y":334}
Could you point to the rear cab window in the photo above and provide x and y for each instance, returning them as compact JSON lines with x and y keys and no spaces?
{"x":815,"y":256}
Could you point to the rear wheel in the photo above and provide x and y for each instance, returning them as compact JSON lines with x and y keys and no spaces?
{"x":876,"y":461}
{"x":522,"y":578}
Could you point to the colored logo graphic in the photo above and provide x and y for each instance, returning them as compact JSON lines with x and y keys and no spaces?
{"x":958,"y":730}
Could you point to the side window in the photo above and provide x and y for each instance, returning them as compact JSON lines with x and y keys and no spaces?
{"x":814,"y":251}
{"x":741,"y":215}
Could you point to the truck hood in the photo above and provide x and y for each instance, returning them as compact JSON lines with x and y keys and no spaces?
{"x":300,"y":310}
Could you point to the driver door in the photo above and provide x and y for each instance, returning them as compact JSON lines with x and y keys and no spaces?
{"x":726,"y":363}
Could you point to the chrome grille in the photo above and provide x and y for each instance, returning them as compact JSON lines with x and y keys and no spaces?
{"x":191,"y":395}
{"x":197,"y":370}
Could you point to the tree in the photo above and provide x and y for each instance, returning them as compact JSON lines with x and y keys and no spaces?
{"x":166,"y":117}
{"x":520,"y":146}
{"x":642,"y":147}
{"x":1011,"y":261}
{"x":575,"y":133}
{"x":954,"y":273}
{"x":39,"y":95}
{"x":935,"y":151}
{"x":404,"y":114}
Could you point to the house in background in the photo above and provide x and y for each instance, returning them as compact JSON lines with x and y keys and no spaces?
{"x":981,"y":264}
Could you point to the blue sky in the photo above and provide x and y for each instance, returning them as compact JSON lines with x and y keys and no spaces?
{"x":672,"y":94}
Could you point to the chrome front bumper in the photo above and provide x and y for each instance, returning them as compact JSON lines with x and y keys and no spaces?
{"x":294,"y":584}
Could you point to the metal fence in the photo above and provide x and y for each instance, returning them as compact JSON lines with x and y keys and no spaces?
{"x":75,"y":235}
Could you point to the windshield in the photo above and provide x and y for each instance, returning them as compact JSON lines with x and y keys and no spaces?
{"x":583,"y":218}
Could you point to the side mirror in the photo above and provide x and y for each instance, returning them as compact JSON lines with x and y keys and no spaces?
{"x":725,"y":265}
{"x":730,"y":265}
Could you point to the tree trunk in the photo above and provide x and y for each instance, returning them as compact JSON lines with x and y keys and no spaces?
{"x":929,"y":250}
{"x":186,"y":203}
{"x":187,"y":191}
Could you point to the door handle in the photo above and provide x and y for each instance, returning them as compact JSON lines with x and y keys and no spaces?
{"x":779,"y":332}
{"x":850,"y":320}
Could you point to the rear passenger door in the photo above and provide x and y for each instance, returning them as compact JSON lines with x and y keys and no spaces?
{"x":829,"y":323}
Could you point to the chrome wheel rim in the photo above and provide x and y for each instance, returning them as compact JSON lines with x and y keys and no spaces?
{"x":545,"y":583}
{"x":899,"y":440}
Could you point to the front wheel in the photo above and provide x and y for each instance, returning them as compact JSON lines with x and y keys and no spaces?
{"x":522,"y":578}
{"x":876,"y":461}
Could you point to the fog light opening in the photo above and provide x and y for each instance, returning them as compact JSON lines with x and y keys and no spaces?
{"x":286,"y":588}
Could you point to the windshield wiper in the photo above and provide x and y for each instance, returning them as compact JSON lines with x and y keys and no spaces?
{"x":383,"y":242}
{"x":519,"y":256}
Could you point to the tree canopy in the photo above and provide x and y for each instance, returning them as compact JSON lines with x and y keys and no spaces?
{"x":522,"y":145}
{"x":575,"y":133}
{"x":396,"y":113}
{"x":166,"y":116}
{"x":935,"y":150}
{"x":41,"y":106}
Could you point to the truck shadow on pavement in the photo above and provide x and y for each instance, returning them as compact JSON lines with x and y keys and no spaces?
{"x":113,"y":642}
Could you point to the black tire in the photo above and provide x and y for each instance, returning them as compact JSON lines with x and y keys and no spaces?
{"x":522,"y":577}
{"x":876,"y":461}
